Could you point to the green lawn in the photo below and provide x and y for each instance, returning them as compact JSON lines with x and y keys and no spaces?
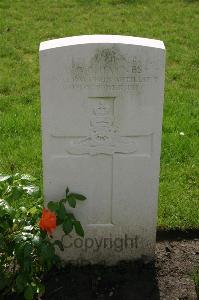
{"x":24,"y":24}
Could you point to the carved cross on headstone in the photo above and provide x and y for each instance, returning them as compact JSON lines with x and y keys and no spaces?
{"x":103,"y":139}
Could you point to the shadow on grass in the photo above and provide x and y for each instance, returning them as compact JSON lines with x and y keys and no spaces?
{"x":88,"y":2}
{"x":111,"y":2}
{"x":177,"y":234}
{"x":125,"y":281}
{"x":127,"y":2}
{"x":191,"y":1}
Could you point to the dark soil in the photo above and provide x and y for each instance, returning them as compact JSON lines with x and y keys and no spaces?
{"x":168,"y":278}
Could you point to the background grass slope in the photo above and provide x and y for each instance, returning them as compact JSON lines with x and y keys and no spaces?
{"x":24,"y":24}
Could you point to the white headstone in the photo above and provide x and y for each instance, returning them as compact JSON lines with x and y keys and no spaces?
{"x":102,"y":101}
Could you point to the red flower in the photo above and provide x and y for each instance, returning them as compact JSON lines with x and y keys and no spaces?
{"x":47,"y":221}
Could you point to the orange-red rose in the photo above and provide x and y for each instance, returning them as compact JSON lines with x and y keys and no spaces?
{"x":48,"y":221}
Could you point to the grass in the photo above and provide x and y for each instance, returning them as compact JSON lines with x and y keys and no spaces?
{"x":24,"y":24}
{"x":195,"y":277}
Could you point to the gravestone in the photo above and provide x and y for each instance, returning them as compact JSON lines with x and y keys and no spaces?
{"x":102,"y":101}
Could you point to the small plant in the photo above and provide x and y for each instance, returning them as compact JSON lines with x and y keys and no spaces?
{"x":195,"y":276}
{"x":27,"y":247}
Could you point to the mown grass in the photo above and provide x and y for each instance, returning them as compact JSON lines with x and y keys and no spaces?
{"x":24,"y":24}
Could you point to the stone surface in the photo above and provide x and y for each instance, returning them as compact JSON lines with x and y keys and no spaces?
{"x":102,"y":100}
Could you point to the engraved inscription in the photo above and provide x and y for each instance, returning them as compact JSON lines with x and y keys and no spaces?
{"x":109,"y":69}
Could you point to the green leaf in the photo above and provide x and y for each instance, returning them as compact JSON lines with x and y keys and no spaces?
{"x":3,"y":282}
{"x":67,"y":191}
{"x":4,"y":178}
{"x":62,"y":212}
{"x":33,"y":210}
{"x":23,"y":209}
{"x":47,"y":251}
{"x":31,"y":190}
{"x":28,"y":293}
{"x":36,"y":240}
{"x":27,"y":177}
{"x":59,"y":244}
{"x":78,"y":228}
{"x":27,"y":250}
{"x":53,"y":206}
{"x":67,"y":226}
{"x":23,"y":250}
{"x":71,"y":201}
{"x":27,"y":265}
{"x":28,"y":228}
{"x":5,"y":208}
{"x":40,"y":289}
{"x":21,"y":282}
{"x":78,"y":196}
{"x":64,"y":200}
{"x":15,"y":193}
{"x":71,"y":216}
{"x":2,"y":242}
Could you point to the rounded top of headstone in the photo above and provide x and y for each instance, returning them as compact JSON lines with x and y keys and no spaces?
{"x":101,"y":39}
